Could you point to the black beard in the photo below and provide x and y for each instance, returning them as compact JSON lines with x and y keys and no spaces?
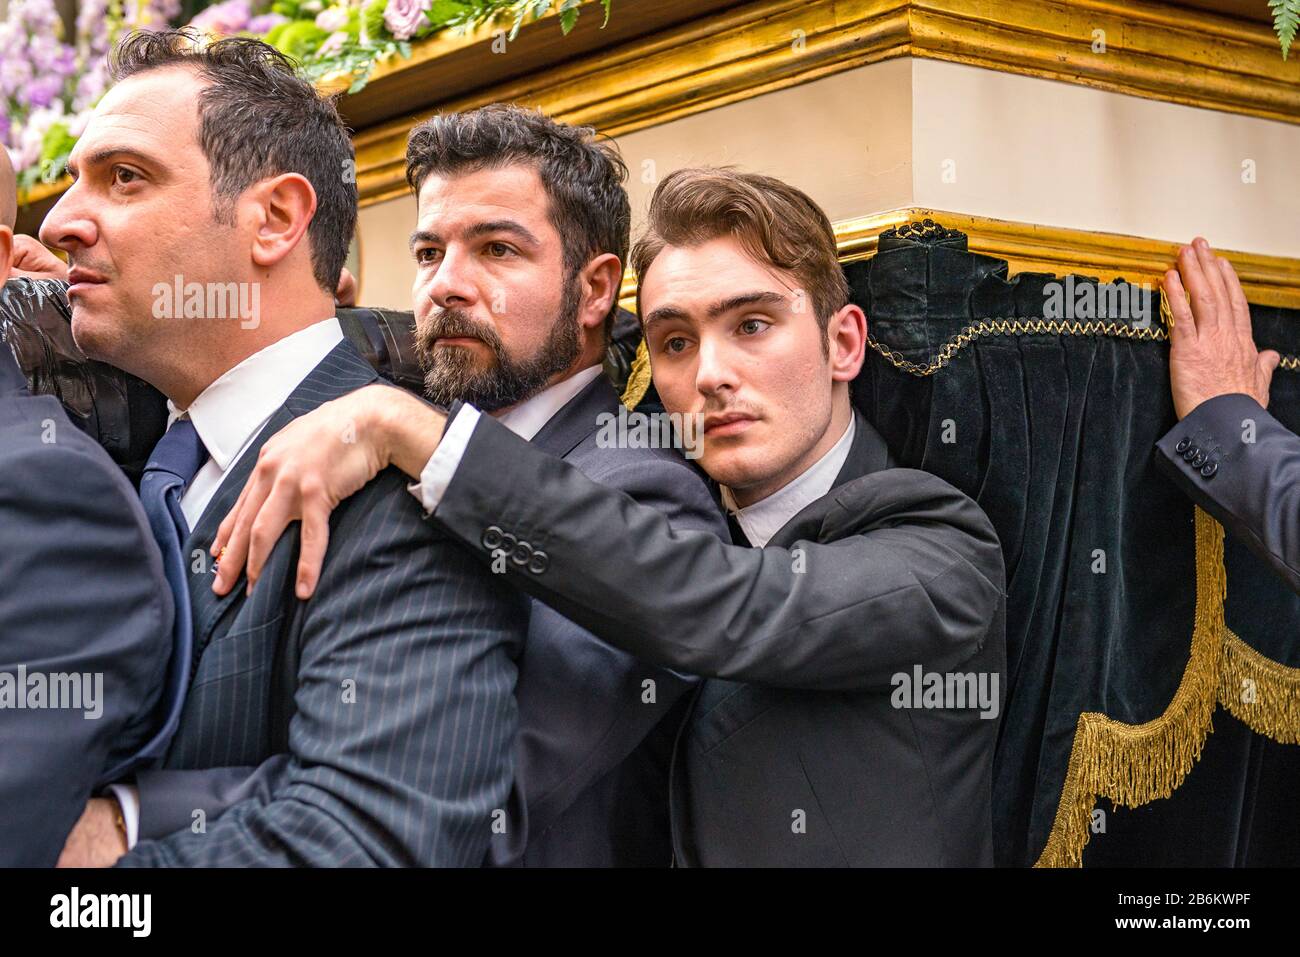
{"x":450,"y":374}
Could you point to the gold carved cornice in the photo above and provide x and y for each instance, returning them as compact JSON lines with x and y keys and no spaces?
{"x":1152,"y":50}
{"x":660,"y":61}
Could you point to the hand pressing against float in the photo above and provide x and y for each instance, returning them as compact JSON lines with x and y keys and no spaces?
{"x":1211,"y":349}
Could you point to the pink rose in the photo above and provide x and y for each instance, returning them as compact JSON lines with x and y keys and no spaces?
{"x":404,"y":17}
{"x":332,"y":19}
{"x":333,"y":43}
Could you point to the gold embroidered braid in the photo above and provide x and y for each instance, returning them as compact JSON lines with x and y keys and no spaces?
{"x":1038,"y":327}
{"x":1015,"y":327}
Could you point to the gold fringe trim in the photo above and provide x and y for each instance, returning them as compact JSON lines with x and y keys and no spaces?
{"x":1135,"y":764}
{"x":1040,"y":327}
{"x":1261,"y":693}
{"x":638,"y":378}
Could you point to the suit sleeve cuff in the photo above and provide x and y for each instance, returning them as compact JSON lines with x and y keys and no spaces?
{"x":129,"y":800}
{"x":441,"y":467}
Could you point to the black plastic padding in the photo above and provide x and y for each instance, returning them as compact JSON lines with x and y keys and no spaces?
{"x":125,"y":415}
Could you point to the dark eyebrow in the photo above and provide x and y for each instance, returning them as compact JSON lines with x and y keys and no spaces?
{"x":479,"y":229}
{"x":106,"y":153}
{"x":731,"y":303}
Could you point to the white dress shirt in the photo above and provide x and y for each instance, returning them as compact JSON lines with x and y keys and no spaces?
{"x":230,"y":412}
{"x":228,"y":415}
{"x":765,"y":517}
{"x":525,"y":420}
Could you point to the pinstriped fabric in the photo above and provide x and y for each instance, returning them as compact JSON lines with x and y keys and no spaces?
{"x":401,"y":742}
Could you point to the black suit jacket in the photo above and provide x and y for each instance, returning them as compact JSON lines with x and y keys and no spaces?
{"x":799,"y":754}
{"x":596,"y":726}
{"x":379,"y":714}
{"x":82,"y":597}
{"x":1243,"y":467}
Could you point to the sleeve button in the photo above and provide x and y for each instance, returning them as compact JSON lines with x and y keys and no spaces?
{"x":537,"y":564}
{"x":1182,"y":446}
{"x":1199,"y":459}
{"x":1209,"y":468}
{"x":492,"y":538}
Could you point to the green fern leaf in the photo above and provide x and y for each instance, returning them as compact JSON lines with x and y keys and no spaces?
{"x":1286,"y":19}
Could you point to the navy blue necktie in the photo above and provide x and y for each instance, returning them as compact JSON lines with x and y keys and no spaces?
{"x":176,"y":459}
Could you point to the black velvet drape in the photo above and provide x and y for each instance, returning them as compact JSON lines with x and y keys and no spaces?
{"x":1053,"y":433}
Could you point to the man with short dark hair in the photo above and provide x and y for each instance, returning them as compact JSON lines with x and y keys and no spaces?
{"x":206,"y":227}
{"x":854,"y":652}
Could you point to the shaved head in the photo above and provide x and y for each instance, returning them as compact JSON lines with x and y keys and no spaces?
{"x":8,"y":191}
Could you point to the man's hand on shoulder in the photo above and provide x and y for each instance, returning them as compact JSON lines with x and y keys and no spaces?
{"x":97,"y":839}
{"x":311,"y":465}
{"x":1211,"y":348}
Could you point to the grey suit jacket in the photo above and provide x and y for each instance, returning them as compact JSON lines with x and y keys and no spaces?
{"x":84,"y":608}
{"x":379,"y":714}
{"x":596,"y":726}
{"x":802,"y":754}
{"x":1243,"y":467}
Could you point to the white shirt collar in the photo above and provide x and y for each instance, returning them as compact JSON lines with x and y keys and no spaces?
{"x":527,"y":418}
{"x":765,"y":517}
{"x":231,"y":411}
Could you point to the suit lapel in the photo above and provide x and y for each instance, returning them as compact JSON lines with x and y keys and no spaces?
{"x":340,"y":372}
{"x":577,"y":418}
{"x":868,"y":453}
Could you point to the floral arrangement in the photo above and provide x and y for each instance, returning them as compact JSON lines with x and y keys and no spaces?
{"x":49,"y":84}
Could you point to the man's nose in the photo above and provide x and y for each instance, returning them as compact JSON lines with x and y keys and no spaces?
{"x":715,"y":371}
{"x":453,"y":283}
{"x":67,"y":226}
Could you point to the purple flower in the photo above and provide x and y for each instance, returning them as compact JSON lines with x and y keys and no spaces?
{"x":39,"y":16}
{"x":404,"y":17}
{"x":266,"y":23}
{"x":223,"y":19}
{"x":40,"y":91}
{"x":15,"y":72}
{"x":4,"y":129}
{"x":91,"y":85}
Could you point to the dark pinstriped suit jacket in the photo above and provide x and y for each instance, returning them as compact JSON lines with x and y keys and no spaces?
{"x":398,"y":674}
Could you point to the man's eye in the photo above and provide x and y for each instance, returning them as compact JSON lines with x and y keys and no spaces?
{"x":498,"y":250}
{"x":124,"y":175}
{"x":752,"y":327}
{"x":674,"y":344}
{"x":426,"y":255}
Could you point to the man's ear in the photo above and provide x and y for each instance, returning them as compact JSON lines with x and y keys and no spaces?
{"x":847,"y":337}
{"x":280,"y":209}
{"x":601,"y":280}
{"x":6,"y":252}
